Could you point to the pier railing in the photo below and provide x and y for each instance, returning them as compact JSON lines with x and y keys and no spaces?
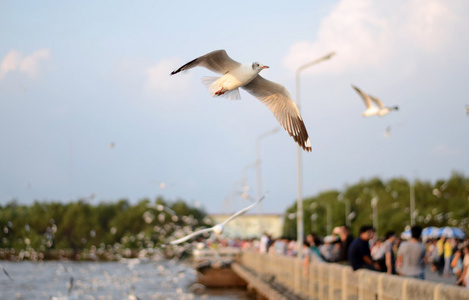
{"x":334,"y":281}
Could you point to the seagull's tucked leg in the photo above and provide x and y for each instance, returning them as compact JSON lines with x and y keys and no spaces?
{"x":216,"y":89}
{"x":221,"y":92}
{"x":211,"y":85}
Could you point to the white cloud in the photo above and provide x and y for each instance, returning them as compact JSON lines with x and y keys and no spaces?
{"x":11,"y":62}
{"x":158,"y":79}
{"x":14,"y":61}
{"x":445,"y":150}
{"x":30,"y":64}
{"x":377,"y":34}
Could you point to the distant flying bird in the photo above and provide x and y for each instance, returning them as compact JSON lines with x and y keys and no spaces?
{"x":161,"y":184}
{"x":372,"y":109}
{"x":387,"y":132}
{"x":132,"y":295}
{"x":246,"y":76}
{"x":70,"y":286}
{"x":467,"y":109}
{"x":69,"y":291}
{"x":218,"y":229}
{"x":161,"y":207}
{"x":6,"y":273}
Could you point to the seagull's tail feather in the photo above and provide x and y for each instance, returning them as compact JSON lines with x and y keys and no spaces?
{"x":209,"y":84}
{"x":232,"y":95}
{"x":214,"y":88}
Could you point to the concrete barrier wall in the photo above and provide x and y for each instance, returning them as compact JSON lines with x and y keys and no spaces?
{"x":334,"y":281}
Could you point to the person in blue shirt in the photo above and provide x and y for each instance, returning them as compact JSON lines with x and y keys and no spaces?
{"x":359,"y":255}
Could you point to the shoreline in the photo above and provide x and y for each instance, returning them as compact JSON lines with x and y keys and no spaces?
{"x":98,"y":255}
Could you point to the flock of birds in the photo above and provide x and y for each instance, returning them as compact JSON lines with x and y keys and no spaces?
{"x":174,"y":244}
{"x":158,"y":278}
{"x":275,"y":96}
{"x":234,"y":76}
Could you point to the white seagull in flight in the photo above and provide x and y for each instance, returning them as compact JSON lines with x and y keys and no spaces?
{"x":246,"y":76}
{"x":218,"y":229}
{"x":371,"y":109}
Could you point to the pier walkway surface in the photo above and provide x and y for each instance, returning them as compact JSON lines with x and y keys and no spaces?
{"x":281,"y":277}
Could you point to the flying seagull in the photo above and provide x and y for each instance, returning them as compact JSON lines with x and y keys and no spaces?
{"x":246,"y":76}
{"x":6,"y":273}
{"x":218,"y":229}
{"x":387,"y":132}
{"x":372,"y":109}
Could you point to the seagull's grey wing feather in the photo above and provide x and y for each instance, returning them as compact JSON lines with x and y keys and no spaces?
{"x":242,"y":211}
{"x":364,"y":96}
{"x":217,"y":61}
{"x":279,"y":101}
{"x":377,"y":101}
{"x":183,"y":239}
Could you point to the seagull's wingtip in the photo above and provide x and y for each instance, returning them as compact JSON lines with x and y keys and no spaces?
{"x":307,"y":146}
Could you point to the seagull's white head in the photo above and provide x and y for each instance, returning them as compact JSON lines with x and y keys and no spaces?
{"x":258,"y":67}
{"x":218,"y":229}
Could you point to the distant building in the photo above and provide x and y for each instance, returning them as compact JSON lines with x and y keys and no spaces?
{"x":247,"y":226}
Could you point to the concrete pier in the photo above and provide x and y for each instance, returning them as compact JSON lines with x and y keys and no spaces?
{"x":281,"y":277}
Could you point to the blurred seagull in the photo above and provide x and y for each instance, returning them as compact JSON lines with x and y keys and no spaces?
{"x":218,"y":229}
{"x":236,"y":75}
{"x":161,"y":207}
{"x":467,"y":110}
{"x":6,"y":273}
{"x":69,"y":291}
{"x":70,"y":286}
{"x":387,"y":132}
{"x":132,"y":295}
{"x":371,"y":109}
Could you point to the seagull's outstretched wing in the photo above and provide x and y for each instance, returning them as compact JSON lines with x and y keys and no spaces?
{"x":364,"y":96}
{"x":183,"y":239}
{"x":216,"y":61}
{"x":279,"y":101}
{"x":377,"y":101}
{"x":242,"y":211}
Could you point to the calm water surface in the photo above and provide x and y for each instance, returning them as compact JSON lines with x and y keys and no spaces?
{"x":105,"y":280}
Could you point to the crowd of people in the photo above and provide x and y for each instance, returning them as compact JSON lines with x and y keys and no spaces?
{"x":391,"y":254}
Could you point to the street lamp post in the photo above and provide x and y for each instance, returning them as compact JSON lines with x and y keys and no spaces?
{"x":300,"y":229}
{"x":314,"y":222}
{"x":329,"y":218}
{"x":258,"y":171}
{"x":412,"y":204}
{"x":374,"y":205}
{"x":341,"y":198}
{"x":347,"y":212}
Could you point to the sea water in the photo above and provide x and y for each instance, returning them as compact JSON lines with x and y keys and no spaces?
{"x":106,"y":280}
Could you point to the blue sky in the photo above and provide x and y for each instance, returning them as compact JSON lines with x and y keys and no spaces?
{"x":76,"y":77}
